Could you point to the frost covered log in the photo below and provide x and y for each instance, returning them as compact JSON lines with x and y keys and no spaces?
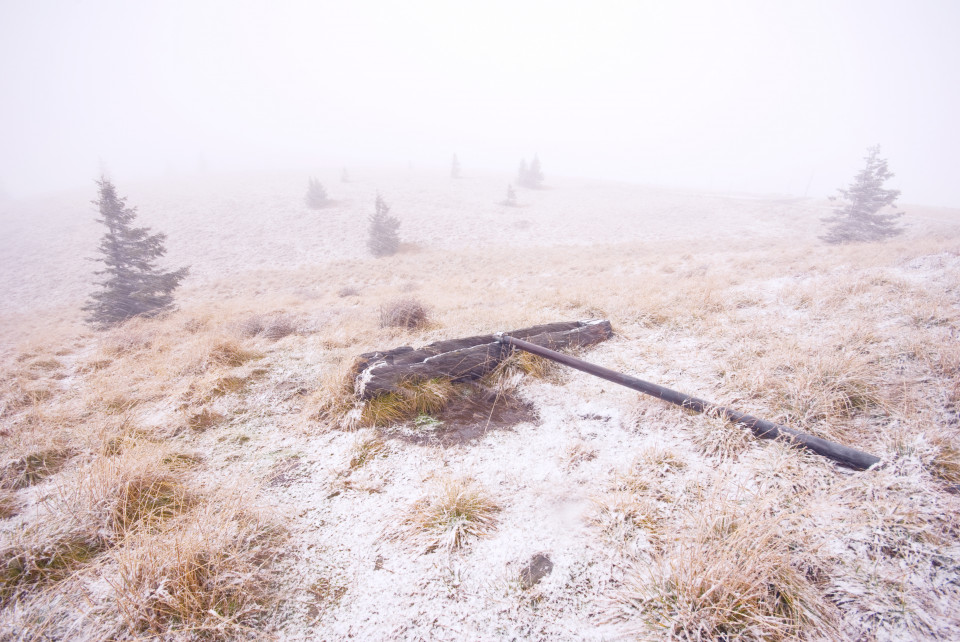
{"x":467,"y":358}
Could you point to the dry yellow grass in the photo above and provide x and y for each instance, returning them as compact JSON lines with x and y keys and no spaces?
{"x":733,"y":571}
{"x":449,"y":515}
{"x":852,"y":343}
{"x":205,"y":576}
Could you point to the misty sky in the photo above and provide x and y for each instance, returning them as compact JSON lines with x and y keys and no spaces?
{"x":769,"y":97}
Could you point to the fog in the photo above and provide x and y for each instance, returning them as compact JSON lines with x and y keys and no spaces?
{"x":735,"y":96}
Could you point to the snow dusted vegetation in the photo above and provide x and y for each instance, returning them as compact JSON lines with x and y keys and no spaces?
{"x":208,"y":474}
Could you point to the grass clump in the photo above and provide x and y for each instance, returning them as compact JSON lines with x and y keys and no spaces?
{"x":42,"y":554}
{"x":404,"y":313}
{"x":37,"y":463}
{"x":518,"y":364}
{"x":451,"y":514}
{"x":270,"y":326}
{"x":412,"y":399}
{"x":714,"y":436}
{"x":945,"y":462}
{"x":231,"y":354}
{"x":8,"y":504}
{"x":365,"y":448}
{"x":204,"y":419}
{"x":733,"y":575}
{"x":207,"y":576}
{"x":831,"y":385}
{"x":115,"y":496}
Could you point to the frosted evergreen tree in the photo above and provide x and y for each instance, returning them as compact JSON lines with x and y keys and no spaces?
{"x":860,"y":218}
{"x":132,"y":285}
{"x":530,"y":176}
{"x":316,"y":195}
{"x":455,"y":167}
{"x":384,"y":239}
{"x":535,"y":174}
{"x":511,"y":199}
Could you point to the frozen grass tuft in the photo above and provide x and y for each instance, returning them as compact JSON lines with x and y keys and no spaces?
{"x":206,"y":576}
{"x":8,"y":504}
{"x":366,"y":447}
{"x":731,"y":574}
{"x":451,"y":514}
{"x":945,"y":462}
{"x":270,"y":326}
{"x":716,"y":437}
{"x":404,"y":313}
{"x":412,"y":399}
{"x":113,"y":496}
{"x":33,"y":464}
{"x":230,"y":353}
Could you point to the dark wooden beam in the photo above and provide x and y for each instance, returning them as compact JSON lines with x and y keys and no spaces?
{"x":378,"y":373}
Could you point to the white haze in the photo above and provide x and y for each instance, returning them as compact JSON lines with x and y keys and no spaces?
{"x":734,"y":96}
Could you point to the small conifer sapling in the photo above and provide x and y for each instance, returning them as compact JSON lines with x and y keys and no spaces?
{"x":316,"y":195}
{"x":530,"y":175}
{"x":511,"y":199}
{"x":384,"y":239}
{"x":132,"y":285}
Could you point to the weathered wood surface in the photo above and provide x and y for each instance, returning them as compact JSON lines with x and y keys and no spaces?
{"x":378,"y":373}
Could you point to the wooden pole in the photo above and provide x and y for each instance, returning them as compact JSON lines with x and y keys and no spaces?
{"x":850,"y":457}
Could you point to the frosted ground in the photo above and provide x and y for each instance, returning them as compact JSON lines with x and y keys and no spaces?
{"x":727,"y":296}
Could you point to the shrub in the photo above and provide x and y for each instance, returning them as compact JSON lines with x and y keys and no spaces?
{"x":403,"y":313}
{"x":270,"y":326}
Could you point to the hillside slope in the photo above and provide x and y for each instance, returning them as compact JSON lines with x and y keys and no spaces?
{"x":208,"y":475}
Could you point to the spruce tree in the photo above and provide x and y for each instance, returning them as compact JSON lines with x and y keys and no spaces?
{"x":523,"y":173}
{"x":455,"y":167}
{"x":316,"y":195}
{"x":132,"y":285}
{"x":860,"y":219}
{"x":384,"y":239}
{"x":511,"y":199}
{"x":535,"y":174}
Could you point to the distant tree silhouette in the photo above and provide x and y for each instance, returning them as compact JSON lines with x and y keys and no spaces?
{"x":511,"y":199}
{"x":132,"y":285}
{"x":316,"y":195}
{"x":344,"y":176}
{"x":455,"y":167}
{"x":859,"y":218}
{"x":384,"y":239}
{"x":530,"y":176}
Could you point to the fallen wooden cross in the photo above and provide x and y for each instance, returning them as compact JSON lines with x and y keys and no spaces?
{"x":379,"y":373}
{"x":470,"y":358}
